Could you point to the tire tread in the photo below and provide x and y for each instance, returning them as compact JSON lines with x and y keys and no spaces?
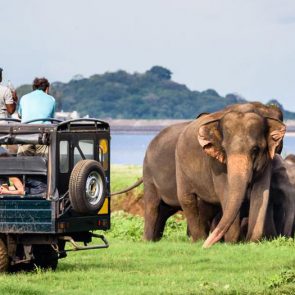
{"x":77,"y":186}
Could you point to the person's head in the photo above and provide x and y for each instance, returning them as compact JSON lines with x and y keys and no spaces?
{"x":41,"y":84}
{"x":1,"y":70}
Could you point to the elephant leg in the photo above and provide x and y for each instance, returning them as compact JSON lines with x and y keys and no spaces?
{"x":196,"y":228}
{"x":244,"y":228}
{"x":238,"y":229}
{"x":209,"y":216}
{"x":271,"y":227}
{"x":233,"y":233}
{"x":189,"y":204}
{"x":289,"y":220}
{"x":151,"y":211}
{"x":287,"y":208}
{"x":164,"y":212}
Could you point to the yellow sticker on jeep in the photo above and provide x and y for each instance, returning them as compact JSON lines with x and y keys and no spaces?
{"x":105,"y":207}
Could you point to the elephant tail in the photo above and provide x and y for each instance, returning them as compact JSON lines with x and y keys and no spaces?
{"x":134,"y":185}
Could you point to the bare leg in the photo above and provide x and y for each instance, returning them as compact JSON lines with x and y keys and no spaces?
{"x":26,"y":150}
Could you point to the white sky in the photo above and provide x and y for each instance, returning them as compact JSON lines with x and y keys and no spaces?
{"x":228,"y":45}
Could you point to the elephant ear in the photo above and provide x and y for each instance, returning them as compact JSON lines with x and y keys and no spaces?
{"x":209,"y":137}
{"x":276,"y":132}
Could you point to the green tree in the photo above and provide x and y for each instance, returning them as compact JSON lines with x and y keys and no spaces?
{"x":160,"y":72}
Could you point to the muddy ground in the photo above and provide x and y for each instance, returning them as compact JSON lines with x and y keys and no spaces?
{"x":130,"y":202}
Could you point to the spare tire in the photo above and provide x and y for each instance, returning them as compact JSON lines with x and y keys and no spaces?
{"x":87,"y":187}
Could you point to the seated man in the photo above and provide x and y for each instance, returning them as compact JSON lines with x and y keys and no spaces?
{"x":34,"y":105}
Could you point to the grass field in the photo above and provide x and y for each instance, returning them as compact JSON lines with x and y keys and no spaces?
{"x":172,"y":266}
{"x":124,"y":175}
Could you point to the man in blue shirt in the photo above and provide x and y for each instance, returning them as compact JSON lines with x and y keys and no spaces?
{"x":36,"y":105}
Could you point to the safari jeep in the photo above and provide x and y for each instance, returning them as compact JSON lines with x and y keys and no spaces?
{"x":75,"y":201}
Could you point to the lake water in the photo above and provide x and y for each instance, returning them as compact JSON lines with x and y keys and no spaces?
{"x":130,"y":148}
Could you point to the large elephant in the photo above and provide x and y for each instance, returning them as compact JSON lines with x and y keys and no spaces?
{"x":215,"y":158}
{"x":280,"y":218}
{"x":281,"y":209}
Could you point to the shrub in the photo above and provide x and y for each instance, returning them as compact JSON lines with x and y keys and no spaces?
{"x":130,"y":227}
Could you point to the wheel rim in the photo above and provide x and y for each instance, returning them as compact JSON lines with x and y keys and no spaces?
{"x":94,"y":188}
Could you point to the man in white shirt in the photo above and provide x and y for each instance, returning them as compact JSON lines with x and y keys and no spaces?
{"x":7,"y":102}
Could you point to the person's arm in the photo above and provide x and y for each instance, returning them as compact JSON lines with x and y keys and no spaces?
{"x":19,"y":111}
{"x":53,"y":109}
{"x":19,"y":188}
{"x":10,"y":108}
{"x":9,"y":102}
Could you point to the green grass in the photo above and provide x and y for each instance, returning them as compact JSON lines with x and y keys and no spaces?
{"x":172,"y":266}
{"x":123,"y":176}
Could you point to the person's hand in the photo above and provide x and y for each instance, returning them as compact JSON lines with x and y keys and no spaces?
{"x":3,"y":190}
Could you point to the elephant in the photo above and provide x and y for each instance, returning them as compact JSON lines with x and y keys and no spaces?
{"x":216,"y":158}
{"x":281,"y":209}
{"x":280,"y":218}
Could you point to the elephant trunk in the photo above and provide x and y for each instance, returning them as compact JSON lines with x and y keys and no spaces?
{"x":239,"y":171}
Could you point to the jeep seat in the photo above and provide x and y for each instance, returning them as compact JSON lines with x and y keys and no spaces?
{"x":23,"y":166}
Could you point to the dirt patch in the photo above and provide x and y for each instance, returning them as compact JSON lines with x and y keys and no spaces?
{"x":130,"y":202}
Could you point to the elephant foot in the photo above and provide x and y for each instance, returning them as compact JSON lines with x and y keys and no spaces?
{"x":199,"y":237}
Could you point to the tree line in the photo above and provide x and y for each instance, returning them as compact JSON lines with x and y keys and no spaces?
{"x":149,"y":95}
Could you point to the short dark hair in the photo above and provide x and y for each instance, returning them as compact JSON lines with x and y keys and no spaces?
{"x":1,"y":70}
{"x":41,"y":84}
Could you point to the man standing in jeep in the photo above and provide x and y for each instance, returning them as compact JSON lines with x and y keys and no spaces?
{"x":7,"y":100}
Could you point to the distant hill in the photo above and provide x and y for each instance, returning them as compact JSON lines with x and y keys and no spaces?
{"x":151,"y":95}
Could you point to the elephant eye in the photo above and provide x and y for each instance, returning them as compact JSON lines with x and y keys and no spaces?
{"x":255,"y":150}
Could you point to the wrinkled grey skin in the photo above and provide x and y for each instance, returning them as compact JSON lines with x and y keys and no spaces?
{"x":280,"y":219}
{"x":281,"y":209}
{"x":215,"y":158}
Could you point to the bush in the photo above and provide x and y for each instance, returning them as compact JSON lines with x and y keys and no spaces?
{"x":130,"y":227}
{"x":126,"y":226}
